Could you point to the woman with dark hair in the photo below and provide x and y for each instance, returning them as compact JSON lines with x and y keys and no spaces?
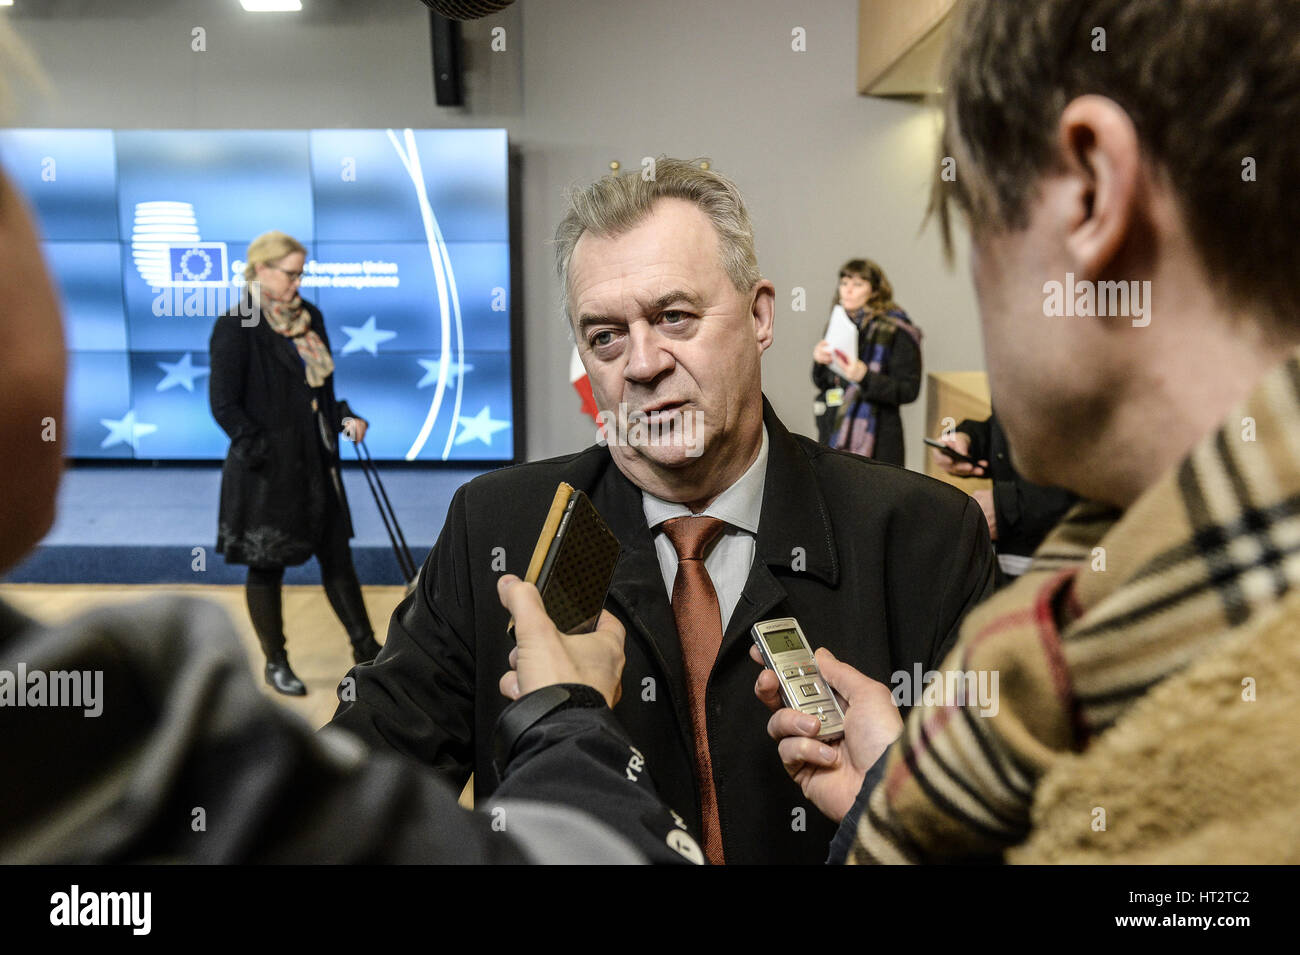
{"x":860,"y":413}
{"x":282,"y":500}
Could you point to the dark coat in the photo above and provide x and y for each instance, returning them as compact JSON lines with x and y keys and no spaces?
{"x":1025,"y":512}
{"x":178,"y":689}
{"x":878,"y":563}
{"x":276,"y":478}
{"x":893,"y":386}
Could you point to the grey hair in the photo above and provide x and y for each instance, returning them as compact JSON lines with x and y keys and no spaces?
{"x":614,"y":204}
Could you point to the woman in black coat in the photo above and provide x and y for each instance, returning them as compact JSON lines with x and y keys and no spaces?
{"x":271,"y":389}
{"x":861,"y":413}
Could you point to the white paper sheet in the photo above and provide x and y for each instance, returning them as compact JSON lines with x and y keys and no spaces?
{"x":842,"y":335}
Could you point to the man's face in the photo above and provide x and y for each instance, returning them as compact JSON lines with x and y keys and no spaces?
{"x":662,"y":330}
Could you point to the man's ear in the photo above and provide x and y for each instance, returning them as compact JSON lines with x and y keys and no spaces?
{"x":1099,"y":145}
{"x":764,"y":314}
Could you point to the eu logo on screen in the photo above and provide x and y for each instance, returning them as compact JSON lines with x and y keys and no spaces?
{"x":203,"y":264}
{"x":406,"y":237}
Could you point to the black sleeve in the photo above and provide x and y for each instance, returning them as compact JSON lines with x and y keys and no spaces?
{"x":971,"y":574}
{"x":902,"y":382}
{"x":228,"y":360}
{"x":188,"y":762}
{"x":582,"y":758}
{"x":1030,"y":510}
{"x":417,"y":697}
{"x":824,"y":378}
{"x":344,"y":411}
{"x":847,"y":833}
{"x":980,"y":434}
{"x":341,"y":408}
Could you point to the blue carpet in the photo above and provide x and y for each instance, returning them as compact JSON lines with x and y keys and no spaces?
{"x":142,"y":525}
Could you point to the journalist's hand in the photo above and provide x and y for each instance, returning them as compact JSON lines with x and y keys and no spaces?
{"x":543,"y":656}
{"x":831,"y":774}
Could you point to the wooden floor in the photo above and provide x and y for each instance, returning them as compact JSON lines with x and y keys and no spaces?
{"x":318,"y":646}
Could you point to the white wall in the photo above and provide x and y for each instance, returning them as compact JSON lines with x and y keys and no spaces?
{"x":829,"y":174}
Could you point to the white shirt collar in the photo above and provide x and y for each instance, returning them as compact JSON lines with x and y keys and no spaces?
{"x":740,"y":505}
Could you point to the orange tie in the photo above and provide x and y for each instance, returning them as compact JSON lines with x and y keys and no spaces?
{"x":699,"y":627}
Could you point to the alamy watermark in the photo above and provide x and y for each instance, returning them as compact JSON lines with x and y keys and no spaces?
{"x":662,"y":429}
{"x":133,"y":910}
{"x":203,"y":301}
{"x":978,"y":688}
{"x":73,"y":688}
{"x":1088,"y":299}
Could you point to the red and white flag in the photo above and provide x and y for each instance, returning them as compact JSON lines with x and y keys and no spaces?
{"x":582,"y":384}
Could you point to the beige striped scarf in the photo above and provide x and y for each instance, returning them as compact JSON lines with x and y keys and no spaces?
{"x":1176,"y":594}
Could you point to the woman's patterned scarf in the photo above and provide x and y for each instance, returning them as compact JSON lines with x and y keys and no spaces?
{"x":855,"y":429}
{"x":293,"y":321}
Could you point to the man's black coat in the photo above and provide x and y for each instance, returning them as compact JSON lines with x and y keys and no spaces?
{"x":877,"y":563}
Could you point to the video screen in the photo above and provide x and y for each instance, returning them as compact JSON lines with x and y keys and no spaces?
{"x":408,"y":242}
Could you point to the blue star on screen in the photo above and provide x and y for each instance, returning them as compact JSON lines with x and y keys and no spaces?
{"x":367,"y":336}
{"x":125,"y":430}
{"x":181,"y":372}
{"x":482,"y":426}
{"x":454,"y":370}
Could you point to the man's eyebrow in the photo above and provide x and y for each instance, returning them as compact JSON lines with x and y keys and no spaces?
{"x":663,"y":301}
{"x":676,"y":295}
{"x":587,"y":319}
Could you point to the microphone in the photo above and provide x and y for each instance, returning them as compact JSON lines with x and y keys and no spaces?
{"x":466,"y":9}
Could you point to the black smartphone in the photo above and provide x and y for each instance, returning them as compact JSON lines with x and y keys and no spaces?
{"x":952,"y":452}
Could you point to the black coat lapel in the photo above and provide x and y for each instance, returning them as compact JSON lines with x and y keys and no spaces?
{"x":794,"y":533}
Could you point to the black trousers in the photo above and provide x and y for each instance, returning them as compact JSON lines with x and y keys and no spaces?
{"x":338,"y":576}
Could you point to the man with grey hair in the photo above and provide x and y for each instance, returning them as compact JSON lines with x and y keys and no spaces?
{"x":724,"y":517}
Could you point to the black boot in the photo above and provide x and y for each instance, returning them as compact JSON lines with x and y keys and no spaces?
{"x":264,"y":607}
{"x":284,"y":679}
{"x":344,"y":593}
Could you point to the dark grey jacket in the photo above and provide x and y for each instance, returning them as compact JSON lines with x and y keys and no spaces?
{"x":184,"y":760}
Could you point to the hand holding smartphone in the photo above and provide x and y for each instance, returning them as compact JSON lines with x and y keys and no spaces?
{"x":978,"y":468}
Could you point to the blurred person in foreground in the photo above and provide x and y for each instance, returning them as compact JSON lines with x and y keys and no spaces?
{"x":1149,"y":657}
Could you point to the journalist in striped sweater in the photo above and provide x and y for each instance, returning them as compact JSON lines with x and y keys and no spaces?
{"x":1132,"y":697}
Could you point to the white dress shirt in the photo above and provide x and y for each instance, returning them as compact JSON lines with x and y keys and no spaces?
{"x":732,"y":554}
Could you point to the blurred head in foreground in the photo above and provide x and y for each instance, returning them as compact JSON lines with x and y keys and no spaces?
{"x":33,"y":360}
{"x":1126,"y":169}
